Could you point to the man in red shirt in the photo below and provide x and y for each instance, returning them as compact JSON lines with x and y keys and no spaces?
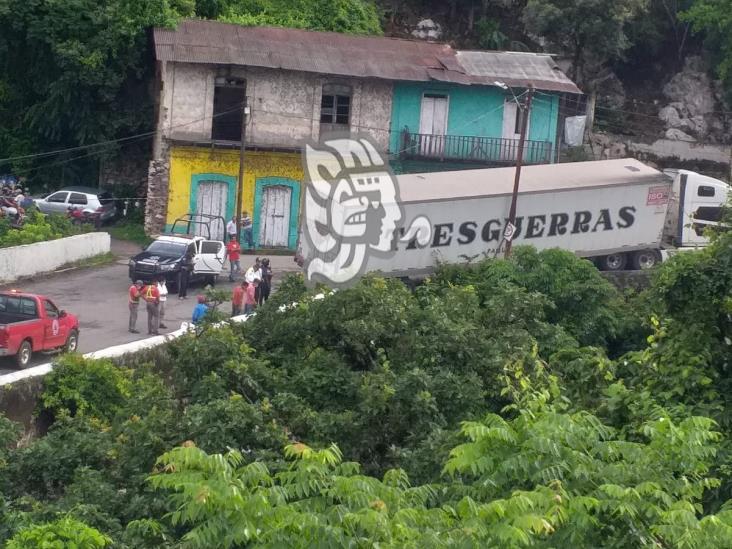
{"x":134,"y":293}
{"x":237,"y":298}
{"x":151,"y":295}
{"x":233,"y":251}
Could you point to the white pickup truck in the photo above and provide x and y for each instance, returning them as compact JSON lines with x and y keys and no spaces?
{"x":168,"y":254}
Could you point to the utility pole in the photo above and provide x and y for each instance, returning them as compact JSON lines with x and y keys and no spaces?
{"x":240,"y":189}
{"x":510,"y":229}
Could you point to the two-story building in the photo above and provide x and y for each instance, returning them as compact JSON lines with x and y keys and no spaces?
{"x":426,"y":104}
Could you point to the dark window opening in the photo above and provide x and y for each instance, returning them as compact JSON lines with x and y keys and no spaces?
{"x":58,"y":198}
{"x":228,"y":103}
{"x":335,"y":105}
{"x":705,"y":190}
{"x":51,"y":310}
{"x":78,"y":198}
{"x":708,"y":213}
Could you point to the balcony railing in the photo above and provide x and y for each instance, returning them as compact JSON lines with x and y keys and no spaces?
{"x":475,"y":149}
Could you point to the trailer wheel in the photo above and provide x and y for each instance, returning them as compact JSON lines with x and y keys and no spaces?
{"x":613,"y":262}
{"x":25,"y":353}
{"x":645,"y":259}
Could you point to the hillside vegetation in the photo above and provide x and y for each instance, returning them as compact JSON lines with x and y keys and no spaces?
{"x":521,"y":403}
{"x":76,"y":74}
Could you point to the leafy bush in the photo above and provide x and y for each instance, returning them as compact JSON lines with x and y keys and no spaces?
{"x":65,"y":532}
{"x":92,"y":388}
{"x":36,"y":228}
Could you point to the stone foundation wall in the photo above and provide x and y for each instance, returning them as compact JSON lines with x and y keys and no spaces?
{"x":158,"y":182}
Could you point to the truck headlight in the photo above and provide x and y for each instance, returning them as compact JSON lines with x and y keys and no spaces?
{"x":131,"y":263}
{"x":168,"y":267}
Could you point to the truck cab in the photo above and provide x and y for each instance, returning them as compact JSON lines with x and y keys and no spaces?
{"x":31,"y":323}
{"x":696,"y":205}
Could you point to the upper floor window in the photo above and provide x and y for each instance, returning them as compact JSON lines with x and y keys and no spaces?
{"x":335,"y":105}
{"x":228,"y":103}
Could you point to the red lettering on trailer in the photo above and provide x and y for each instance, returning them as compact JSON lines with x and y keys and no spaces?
{"x":657,"y":196}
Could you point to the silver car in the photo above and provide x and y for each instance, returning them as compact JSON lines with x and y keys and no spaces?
{"x":85,"y":198}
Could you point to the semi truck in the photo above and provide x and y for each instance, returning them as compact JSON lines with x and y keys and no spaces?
{"x":621,"y":214}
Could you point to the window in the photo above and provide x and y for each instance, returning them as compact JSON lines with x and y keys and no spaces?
{"x":164,"y":248}
{"x":210,"y":247}
{"x":335,"y":105}
{"x":708,"y":213}
{"x":57,"y":198}
{"x":77,"y":198}
{"x":51,"y":310}
{"x":705,"y":190}
{"x":228,"y":103}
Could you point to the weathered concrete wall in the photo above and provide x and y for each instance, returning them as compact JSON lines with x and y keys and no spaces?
{"x":284,"y":105}
{"x":42,"y":257}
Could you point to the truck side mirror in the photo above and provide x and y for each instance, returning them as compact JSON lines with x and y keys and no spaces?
{"x":62,"y":313}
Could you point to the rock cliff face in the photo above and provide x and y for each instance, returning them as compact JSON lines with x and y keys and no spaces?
{"x":694,"y":112}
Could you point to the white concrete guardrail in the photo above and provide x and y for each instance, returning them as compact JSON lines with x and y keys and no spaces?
{"x":43,"y":257}
{"x":127,"y":348}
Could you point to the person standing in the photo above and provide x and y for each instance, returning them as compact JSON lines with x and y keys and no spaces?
{"x":163,"y":293}
{"x":231,"y":228}
{"x":254,"y":273}
{"x":152,"y":299}
{"x":237,"y":299}
{"x":246,"y":230}
{"x":232,"y":252}
{"x":250,"y":297}
{"x":200,"y":310}
{"x":266,"y":285}
{"x":134,"y":294}
{"x":185,"y":273}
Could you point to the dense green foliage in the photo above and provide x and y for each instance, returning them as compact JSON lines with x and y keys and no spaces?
{"x":37,"y":227}
{"x":513,"y":404}
{"x":76,"y":74}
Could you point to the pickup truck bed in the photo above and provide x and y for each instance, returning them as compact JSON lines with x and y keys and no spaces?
{"x":31,"y":323}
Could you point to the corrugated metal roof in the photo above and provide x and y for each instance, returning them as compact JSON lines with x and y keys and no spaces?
{"x":196,"y":41}
{"x":537,"y":178}
{"x":516,"y":69}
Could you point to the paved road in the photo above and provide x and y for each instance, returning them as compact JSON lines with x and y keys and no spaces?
{"x":99,"y":297}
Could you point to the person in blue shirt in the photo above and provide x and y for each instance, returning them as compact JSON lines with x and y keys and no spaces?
{"x":200,"y":310}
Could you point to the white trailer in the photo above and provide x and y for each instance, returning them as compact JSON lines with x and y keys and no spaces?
{"x":620,"y":213}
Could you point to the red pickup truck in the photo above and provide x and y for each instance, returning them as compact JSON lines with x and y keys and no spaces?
{"x":31,"y":323}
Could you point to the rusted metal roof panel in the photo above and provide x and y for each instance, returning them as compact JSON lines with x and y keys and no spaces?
{"x":515,"y":69}
{"x":211,"y":42}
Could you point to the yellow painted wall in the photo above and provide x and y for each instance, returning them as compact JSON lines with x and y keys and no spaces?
{"x":185,"y":162}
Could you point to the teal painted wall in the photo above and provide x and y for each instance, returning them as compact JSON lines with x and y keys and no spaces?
{"x":472,"y":111}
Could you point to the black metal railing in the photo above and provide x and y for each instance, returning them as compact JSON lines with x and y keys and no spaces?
{"x":472,"y":148}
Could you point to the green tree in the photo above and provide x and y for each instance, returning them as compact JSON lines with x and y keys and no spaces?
{"x":713,"y":18}
{"x":592,"y":32}
{"x":74,"y":74}
{"x":63,"y":533}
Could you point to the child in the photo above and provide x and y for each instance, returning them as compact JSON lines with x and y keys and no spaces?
{"x":250,"y":297}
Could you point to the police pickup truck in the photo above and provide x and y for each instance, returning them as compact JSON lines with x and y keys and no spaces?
{"x":168,"y":255}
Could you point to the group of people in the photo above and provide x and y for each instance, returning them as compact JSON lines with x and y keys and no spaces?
{"x":254,"y":290}
{"x":14,"y":201}
{"x":155,"y":295}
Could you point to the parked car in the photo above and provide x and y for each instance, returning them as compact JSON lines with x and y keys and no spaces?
{"x":32,"y":323}
{"x":165,"y":256}
{"x":85,"y":198}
